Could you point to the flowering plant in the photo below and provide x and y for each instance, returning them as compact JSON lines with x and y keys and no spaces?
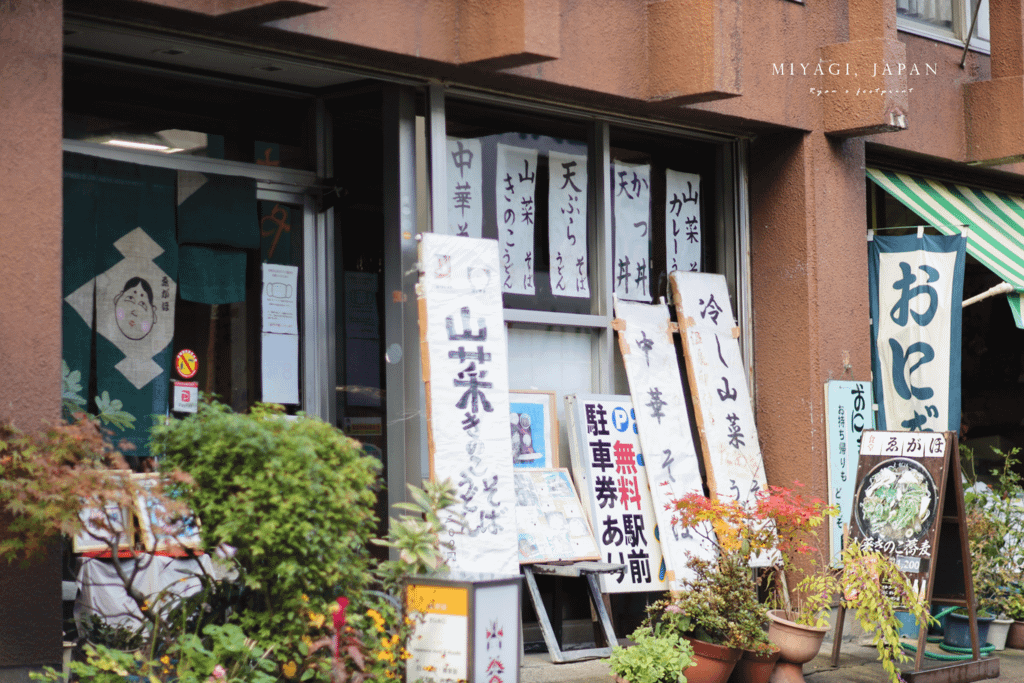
{"x":783,"y":525}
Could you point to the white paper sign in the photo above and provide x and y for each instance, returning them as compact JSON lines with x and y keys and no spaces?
{"x":682,"y":221}
{"x":725,"y":419}
{"x":186,"y":397}
{"x":280,"y":298}
{"x":515,"y":189}
{"x":631,"y":197}
{"x":656,"y":386}
{"x":612,"y":476}
{"x":848,"y":413}
{"x":567,"y":224}
{"x":465,"y":188}
{"x":280,"y":365}
{"x":466,"y":355}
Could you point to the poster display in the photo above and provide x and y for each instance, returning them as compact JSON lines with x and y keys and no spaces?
{"x":533,"y":422}
{"x":515,"y":189}
{"x":631,"y":226}
{"x":567,"y":224}
{"x":439,"y":644}
{"x":899,"y":498}
{"x":718,"y":382}
{"x":465,"y":189}
{"x":280,"y":299}
{"x":465,"y":364}
{"x":663,"y":423}
{"x":916,"y":287}
{"x":612,"y":476}
{"x":682,"y":221}
{"x":552,"y":524}
{"x":848,"y":413}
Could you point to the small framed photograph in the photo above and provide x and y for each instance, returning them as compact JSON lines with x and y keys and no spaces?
{"x":102,"y":527}
{"x":163,"y":531}
{"x":533,"y":420}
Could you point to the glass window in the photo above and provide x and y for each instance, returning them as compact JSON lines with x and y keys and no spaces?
{"x":160,"y":112}
{"x":523,"y":180}
{"x":946,"y":20}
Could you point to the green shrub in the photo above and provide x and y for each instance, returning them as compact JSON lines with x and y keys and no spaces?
{"x":661,"y":658}
{"x":295,"y":498}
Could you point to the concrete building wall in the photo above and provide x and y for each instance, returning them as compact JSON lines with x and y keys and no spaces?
{"x":30,"y":289}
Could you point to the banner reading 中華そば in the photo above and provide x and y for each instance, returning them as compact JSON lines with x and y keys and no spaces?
{"x":916,"y":288}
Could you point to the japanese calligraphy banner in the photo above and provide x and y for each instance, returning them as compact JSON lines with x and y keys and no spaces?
{"x":610,"y":471}
{"x":663,"y":424}
{"x":916,"y":286}
{"x":567,"y":224}
{"x":465,"y":189}
{"x":465,"y":363}
{"x":516,"y":189}
{"x":631,"y":225}
{"x":725,"y":419}
{"x":848,"y":412}
{"x":682,"y":221}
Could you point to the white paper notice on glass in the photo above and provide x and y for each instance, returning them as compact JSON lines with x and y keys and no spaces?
{"x":682,"y":221}
{"x":515,"y":189}
{"x":465,"y":188}
{"x":280,"y":368}
{"x":567,"y":224}
{"x":280,"y":298}
{"x":631,"y":197}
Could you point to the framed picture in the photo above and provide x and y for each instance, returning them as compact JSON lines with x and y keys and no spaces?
{"x":533,"y":418}
{"x":550,"y":521}
{"x":161,"y":530}
{"x":101,"y":526}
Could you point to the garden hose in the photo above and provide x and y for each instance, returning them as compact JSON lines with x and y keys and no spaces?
{"x":963,"y":653}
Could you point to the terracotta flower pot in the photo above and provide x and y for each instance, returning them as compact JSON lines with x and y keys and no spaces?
{"x":754,"y":668}
{"x":1015,"y":637}
{"x":714,"y":663}
{"x":797,"y":643}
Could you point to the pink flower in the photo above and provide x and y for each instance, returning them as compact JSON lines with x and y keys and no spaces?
{"x":218,"y":673}
{"x":339,"y":623}
{"x":673,"y":609}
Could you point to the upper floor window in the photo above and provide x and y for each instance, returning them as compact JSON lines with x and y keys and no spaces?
{"x":945,"y":20}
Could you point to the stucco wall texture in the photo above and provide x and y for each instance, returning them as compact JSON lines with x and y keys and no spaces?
{"x":30,"y":287}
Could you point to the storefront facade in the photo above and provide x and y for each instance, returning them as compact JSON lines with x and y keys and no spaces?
{"x":341,"y":131}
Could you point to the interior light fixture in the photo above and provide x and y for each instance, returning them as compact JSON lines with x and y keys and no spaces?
{"x":148,"y":146}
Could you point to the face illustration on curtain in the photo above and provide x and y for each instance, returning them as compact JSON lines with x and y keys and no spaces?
{"x":121,"y":261}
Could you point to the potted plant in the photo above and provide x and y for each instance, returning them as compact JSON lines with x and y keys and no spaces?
{"x":995,"y":527}
{"x":782,"y":526}
{"x":658,"y":655}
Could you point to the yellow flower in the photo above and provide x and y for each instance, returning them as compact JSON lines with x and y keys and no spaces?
{"x":334,"y":607}
{"x":316,"y":620}
{"x":289,"y":669}
{"x":378,"y":620}
{"x":385,"y":656}
{"x":165,"y":660}
{"x":305,"y":598}
{"x":307,"y":640}
{"x":389,"y":674}
{"x":405,"y":654}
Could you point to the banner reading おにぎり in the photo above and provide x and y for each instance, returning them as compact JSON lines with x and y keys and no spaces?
{"x":465,"y":363}
{"x":916,"y":289}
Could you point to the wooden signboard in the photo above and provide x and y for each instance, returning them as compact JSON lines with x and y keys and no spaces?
{"x":909,"y":506}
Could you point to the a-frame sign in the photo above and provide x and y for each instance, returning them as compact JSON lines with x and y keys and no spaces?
{"x":909,"y":506}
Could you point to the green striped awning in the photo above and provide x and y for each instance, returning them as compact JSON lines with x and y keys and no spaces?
{"x":994,"y":222}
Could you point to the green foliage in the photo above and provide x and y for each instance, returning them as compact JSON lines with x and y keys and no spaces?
{"x":418,"y":536}
{"x":655,"y":658}
{"x":717,"y":604}
{"x":71,"y":390}
{"x":995,"y":528}
{"x":294,"y":497}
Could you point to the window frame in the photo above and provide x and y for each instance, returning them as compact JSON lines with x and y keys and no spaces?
{"x":962,"y":10}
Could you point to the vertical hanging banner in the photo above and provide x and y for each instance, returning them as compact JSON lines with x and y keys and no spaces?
{"x":465,"y":189}
{"x":465,"y":362}
{"x":663,"y":424}
{"x":848,"y":413}
{"x":682,"y":221}
{"x":128,"y":279}
{"x":516,"y":189}
{"x":631,"y":197}
{"x":916,"y":287}
{"x":567,"y":224}
{"x":609,"y":468}
{"x":725,"y":419}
